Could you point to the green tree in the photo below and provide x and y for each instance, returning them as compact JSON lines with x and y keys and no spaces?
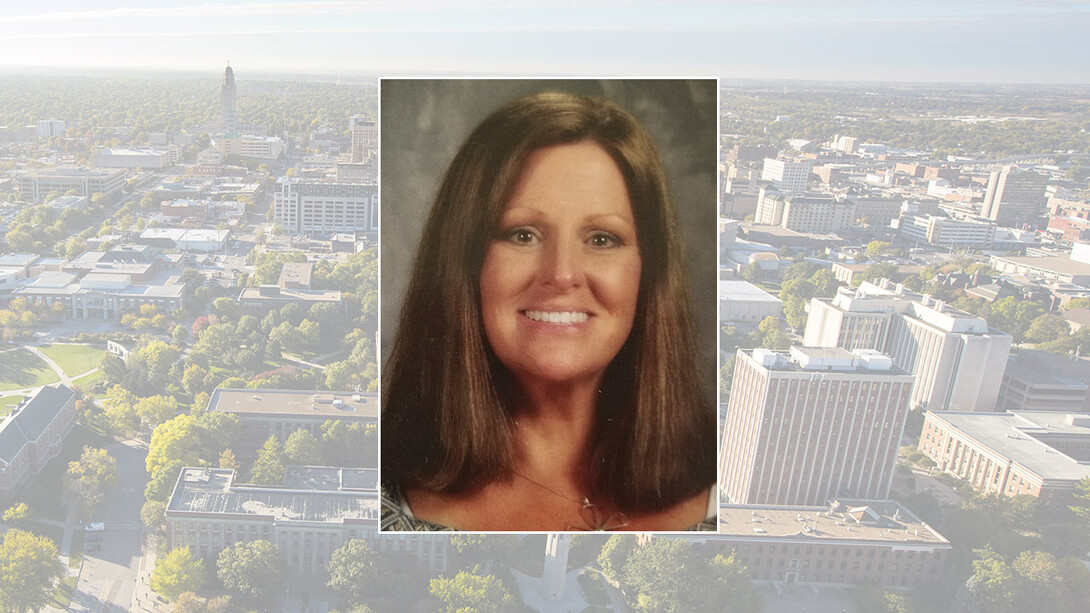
{"x":726,"y":375}
{"x":29,"y":568}
{"x":153,"y":514}
{"x":162,"y":481}
{"x":730,"y":583}
{"x":177,"y":572}
{"x":87,"y":479}
{"x":468,"y":591}
{"x":253,"y":569}
{"x":227,"y":460}
{"x":302,"y":448}
{"x":880,"y":270}
{"x":355,"y":570}
{"x":188,"y":602}
{"x":17,"y":514}
{"x":877,"y":248}
{"x":119,"y":407}
{"x":174,"y":440}
{"x":667,"y":575}
{"x":615,"y":555}
{"x":1013,"y":316}
{"x":1047,"y":327}
{"x":155,"y":410}
{"x":1081,"y":499}
{"x":995,"y":581}
{"x":1077,"y":303}
{"x":226,"y":309}
{"x":268,"y":468}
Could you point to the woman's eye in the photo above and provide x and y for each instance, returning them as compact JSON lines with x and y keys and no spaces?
{"x":521,"y":236}
{"x":604,"y":240}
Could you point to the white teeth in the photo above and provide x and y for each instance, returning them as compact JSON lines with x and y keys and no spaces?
{"x":557,"y":317}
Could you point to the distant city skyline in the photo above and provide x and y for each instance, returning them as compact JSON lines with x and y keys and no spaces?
{"x":850,"y":40}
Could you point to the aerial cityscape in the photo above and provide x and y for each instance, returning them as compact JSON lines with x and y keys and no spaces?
{"x":190,"y":338}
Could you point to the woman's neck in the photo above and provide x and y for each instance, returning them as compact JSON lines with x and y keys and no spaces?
{"x":554,"y":431}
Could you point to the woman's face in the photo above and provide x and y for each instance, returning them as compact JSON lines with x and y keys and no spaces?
{"x":561,"y":277}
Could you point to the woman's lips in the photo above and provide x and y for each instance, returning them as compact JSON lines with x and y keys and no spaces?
{"x":557,"y":317}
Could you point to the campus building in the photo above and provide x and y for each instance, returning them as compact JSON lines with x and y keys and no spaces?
{"x":312,"y":206}
{"x":839,"y":544}
{"x":32,"y":434}
{"x":742,"y":302}
{"x":364,"y":138}
{"x":272,"y":412}
{"x":36,"y":185}
{"x":1037,"y":380}
{"x":786,"y":175}
{"x":258,"y":301}
{"x":155,"y":159}
{"x":810,"y":214}
{"x":812,"y":424}
{"x":1039,"y":453}
{"x":942,"y":231}
{"x":311,"y":515}
{"x":957,"y":359}
{"x":1015,"y":197}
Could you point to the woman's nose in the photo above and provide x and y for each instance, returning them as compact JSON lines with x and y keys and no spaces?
{"x":563,"y":264}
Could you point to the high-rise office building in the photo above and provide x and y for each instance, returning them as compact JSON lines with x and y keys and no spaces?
{"x":325,"y":207}
{"x":229,"y":103}
{"x":809,"y":214}
{"x":1015,"y":197}
{"x":364,"y":138}
{"x":48,"y":128}
{"x":957,"y":359}
{"x":786,"y":175}
{"x":811,"y":425}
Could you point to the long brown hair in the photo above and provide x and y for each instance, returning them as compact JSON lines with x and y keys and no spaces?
{"x":445,"y":422}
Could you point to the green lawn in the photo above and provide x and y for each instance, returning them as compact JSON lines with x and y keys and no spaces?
{"x":74,"y":359}
{"x":86,"y":382}
{"x":75,"y":552}
{"x":63,"y":596}
{"x":7,"y":403}
{"x":20,"y":368}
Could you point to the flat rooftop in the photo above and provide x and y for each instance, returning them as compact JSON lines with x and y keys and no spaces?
{"x":881,"y":521}
{"x":212,"y":490}
{"x":253,"y":294}
{"x":1010,"y":435}
{"x":742,"y":291}
{"x":303,"y":403}
{"x":1060,"y":264}
{"x":330,"y":479}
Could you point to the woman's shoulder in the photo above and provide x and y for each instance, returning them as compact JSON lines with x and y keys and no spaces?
{"x":396,"y":516}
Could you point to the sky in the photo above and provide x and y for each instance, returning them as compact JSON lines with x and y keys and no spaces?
{"x":997,"y":41}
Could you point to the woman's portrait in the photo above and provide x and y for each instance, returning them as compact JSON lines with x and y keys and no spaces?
{"x":542,"y":365}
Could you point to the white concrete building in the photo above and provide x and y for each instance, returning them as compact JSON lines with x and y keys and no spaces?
{"x":35,"y":185}
{"x":946,"y":232}
{"x":811,"y":425}
{"x":306,"y":206}
{"x":742,"y":302}
{"x":958,"y":361}
{"x":132,"y":158}
{"x":257,"y":147}
{"x":786,"y":175}
{"x":810,"y":214}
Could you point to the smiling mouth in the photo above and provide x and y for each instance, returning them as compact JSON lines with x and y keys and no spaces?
{"x":557,"y":317}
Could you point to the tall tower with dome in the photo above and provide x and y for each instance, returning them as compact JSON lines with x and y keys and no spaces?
{"x":229,"y":103}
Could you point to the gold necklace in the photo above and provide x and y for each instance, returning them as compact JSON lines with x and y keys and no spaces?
{"x":589,"y":511}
